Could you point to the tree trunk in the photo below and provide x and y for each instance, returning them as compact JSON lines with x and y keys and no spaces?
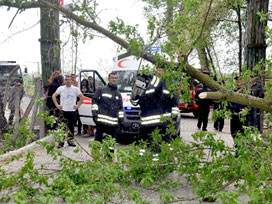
{"x":255,"y":39}
{"x":255,"y":34}
{"x":50,"y":44}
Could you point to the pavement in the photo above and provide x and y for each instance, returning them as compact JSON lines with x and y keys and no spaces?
{"x":188,"y":126}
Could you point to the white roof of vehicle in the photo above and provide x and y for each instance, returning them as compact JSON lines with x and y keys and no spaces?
{"x":127,"y":63}
{"x":8,"y":63}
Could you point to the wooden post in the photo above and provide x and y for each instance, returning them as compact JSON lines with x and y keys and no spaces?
{"x":8,"y":85}
{"x":18,"y":90}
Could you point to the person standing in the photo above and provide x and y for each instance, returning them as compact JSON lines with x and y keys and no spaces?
{"x":87,"y":129}
{"x":220,"y":121}
{"x":152,"y":111}
{"x":68,"y":106}
{"x":11,"y":99}
{"x":203,"y":108}
{"x":236,"y":122}
{"x":253,"y":117}
{"x":74,"y":80}
{"x":107,"y":109}
{"x":53,"y":86}
{"x":90,"y":81}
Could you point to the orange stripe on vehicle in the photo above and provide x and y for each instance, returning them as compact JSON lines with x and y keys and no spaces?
{"x":87,"y":99}
{"x":87,"y":102}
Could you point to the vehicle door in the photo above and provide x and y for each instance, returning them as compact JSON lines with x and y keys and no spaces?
{"x":95,"y":81}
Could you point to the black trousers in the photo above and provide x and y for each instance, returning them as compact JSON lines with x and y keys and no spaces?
{"x":253,"y":118}
{"x":69,"y":118}
{"x":53,"y":112}
{"x":219,"y":124}
{"x":203,"y":114}
{"x":101,"y":129}
{"x":235,"y":126}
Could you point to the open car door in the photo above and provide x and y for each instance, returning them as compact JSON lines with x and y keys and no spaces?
{"x":94,"y":81}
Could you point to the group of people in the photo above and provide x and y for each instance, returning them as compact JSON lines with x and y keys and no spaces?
{"x":64,"y":98}
{"x":155,"y":101}
{"x":62,"y":101}
{"x":239,"y":115}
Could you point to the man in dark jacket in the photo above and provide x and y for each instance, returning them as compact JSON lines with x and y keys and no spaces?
{"x":107,"y":109}
{"x":253,"y":117}
{"x":153,"y":108}
{"x":203,"y":108}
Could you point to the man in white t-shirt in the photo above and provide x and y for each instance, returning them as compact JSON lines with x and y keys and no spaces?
{"x":68,"y":105}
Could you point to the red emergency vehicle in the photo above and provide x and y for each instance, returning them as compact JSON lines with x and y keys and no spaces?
{"x":190,"y":107}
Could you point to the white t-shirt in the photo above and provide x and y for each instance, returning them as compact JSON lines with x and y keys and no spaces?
{"x":68,"y":97}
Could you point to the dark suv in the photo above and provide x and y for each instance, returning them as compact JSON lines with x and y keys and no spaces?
{"x":6,"y":68}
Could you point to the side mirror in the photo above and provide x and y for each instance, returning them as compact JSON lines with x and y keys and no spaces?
{"x":25,"y":71}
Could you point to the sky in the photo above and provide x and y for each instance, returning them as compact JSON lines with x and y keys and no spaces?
{"x":20,"y":41}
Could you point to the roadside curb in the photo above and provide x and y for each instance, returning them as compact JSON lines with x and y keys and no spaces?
{"x":26,"y":148}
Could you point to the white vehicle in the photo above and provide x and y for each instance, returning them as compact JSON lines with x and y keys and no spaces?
{"x":126,"y":69}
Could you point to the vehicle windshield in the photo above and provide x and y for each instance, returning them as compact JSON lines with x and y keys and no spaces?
{"x":6,"y":70}
{"x":125,"y":80}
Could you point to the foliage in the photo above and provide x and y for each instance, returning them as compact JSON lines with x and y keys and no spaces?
{"x":24,"y":135}
{"x":206,"y":162}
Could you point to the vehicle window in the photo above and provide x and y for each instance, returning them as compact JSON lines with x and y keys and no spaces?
{"x":6,"y":70}
{"x":92,"y":80}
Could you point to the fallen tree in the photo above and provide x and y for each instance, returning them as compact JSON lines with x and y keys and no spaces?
{"x":182,"y":65}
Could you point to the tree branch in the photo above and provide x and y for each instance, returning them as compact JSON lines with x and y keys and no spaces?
{"x":203,"y":25}
{"x":194,"y":73}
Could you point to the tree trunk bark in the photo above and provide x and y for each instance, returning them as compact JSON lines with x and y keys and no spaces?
{"x":255,"y":34}
{"x":50,"y":44}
